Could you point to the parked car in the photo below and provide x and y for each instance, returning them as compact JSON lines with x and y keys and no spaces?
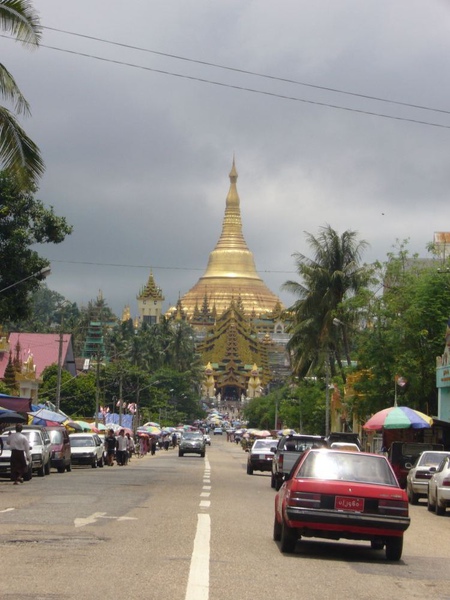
{"x":421,"y":472}
{"x":346,"y":437}
{"x":86,"y":449}
{"x":402,"y":456}
{"x":350,"y":495}
{"x":5,"y":461}
{"x":40,"y":444}
{"x":192,"y":442}
{"x":260,"y":456}
{"x":60,"y":458}
{"x":218,"y":431}
{"x":438,"y":497}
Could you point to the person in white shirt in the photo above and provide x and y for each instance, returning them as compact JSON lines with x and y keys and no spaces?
{"x":20,"y":454}
{"x":121,"y":448}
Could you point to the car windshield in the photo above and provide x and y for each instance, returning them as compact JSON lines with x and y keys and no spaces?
{"x":263,"y":444}
{"x":431,"y":459}
{"x":33,"y":437}
{"x":193,"y":436}
{"x":78,"y":442}
{"x":346,"y":466}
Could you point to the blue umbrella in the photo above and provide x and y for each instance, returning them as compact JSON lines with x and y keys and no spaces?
{"x":48,"y":415}
{"x":11,"y":416}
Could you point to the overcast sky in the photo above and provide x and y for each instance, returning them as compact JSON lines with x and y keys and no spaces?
{"x":138,"y":146}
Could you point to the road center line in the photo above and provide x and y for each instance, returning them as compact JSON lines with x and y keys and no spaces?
{"x":198,"y":582}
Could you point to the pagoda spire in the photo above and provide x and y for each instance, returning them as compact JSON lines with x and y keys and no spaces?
{"x":231,"y":267}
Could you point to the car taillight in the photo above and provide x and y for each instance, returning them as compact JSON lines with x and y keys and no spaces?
{"x":393,"y":507}
{"x":280,"y":462}
{"x":423,"y":475}
{"x":304,"y":500}
{"x":446,"y":482}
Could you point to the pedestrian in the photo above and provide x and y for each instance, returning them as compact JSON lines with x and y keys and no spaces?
{"x":166,"y":442}
{"x":174,"y":440}
{"x":20,"y":454}
{"x":121,"y":448}
{"x":130,"y":446}
{"x":110,"y":447}
{"x":153,"y":446}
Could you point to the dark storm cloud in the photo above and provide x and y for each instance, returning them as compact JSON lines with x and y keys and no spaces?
{"x":138,"y":161}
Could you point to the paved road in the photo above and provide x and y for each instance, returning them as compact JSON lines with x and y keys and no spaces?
{"x":191,"y":529}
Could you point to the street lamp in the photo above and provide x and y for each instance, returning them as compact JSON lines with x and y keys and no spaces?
{"x":42,"y":273}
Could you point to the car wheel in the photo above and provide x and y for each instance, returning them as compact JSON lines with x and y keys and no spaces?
{"x":202,"y":454}
{"x":61,"y":469}
{"x":278,"y":483}
{"x":41,"y":471}
{"x":94,"y":463}
{"x":29,"y":474}
{"x":69,"y":467}
{"x":412,"y":497}
{"x":377,"y":544}
{"x":249,"y":469}
{"x":180,"y":453}
{"x":394,"y":547}
{"x":288,"y":538}
{"x":47,"y":468}
{"x":430,"y":505}
{"x":100,"y":462}
{"x":276,"y":530}
{"x":272,"y":481}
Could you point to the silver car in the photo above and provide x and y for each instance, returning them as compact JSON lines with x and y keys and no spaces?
{"x":420,"y":474}
{"x":439,"y":488}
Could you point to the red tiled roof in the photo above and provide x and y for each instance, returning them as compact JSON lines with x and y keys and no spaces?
{"x":43,"y":346}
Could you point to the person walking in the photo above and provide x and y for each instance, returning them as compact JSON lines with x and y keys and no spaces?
{"x":130,"y":446}
{"x":110,"y":447}
{"x":121,"y":448}
{"x":20,"y":454}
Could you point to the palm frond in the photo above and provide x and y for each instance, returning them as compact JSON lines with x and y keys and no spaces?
{"x":19,"y":155}
{"x":11,"y":92}
{"x":19,"y":18}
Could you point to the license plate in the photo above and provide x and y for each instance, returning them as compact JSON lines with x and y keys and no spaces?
{"x":263,"y":457}
{"x":350,"y":504}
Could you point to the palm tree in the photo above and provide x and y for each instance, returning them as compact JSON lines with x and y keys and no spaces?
{"x":329,"y":279}
{"x":18,"y":153}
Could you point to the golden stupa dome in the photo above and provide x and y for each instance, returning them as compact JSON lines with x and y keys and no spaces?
{"x":231,"y":273}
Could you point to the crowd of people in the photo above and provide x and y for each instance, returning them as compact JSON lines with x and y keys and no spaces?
{"x":120,"y":448}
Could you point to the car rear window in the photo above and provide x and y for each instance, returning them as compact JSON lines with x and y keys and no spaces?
{"x":345,"y":466}
{"x":78,"y":442}
{"x":431,"y":459}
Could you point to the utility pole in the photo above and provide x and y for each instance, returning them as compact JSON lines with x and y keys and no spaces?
{"x":59,"y":374}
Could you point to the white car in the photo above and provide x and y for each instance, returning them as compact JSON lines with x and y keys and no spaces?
{"x":438,"y":497}
{"x":86,"y":449}
{"x":421,"y":473}
{"x":218,"y":431}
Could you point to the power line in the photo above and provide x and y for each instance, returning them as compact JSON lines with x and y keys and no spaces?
{"x":148,"y":267}
{"x":253,"y":73}
{"x":245,"y":89}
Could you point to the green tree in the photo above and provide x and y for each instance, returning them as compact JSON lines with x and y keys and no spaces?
{"x":20,"y":156}
{"x":24,"y":222}
{"x":329,"y":280}
{"x":405,"y":332}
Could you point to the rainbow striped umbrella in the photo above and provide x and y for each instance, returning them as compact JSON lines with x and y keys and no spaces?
{"x":398,"y":417}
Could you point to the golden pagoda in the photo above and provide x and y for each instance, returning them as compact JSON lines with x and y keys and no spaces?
{"x":231,"y":273}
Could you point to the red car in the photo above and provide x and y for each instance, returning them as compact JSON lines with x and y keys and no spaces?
{"x":333,"y":494}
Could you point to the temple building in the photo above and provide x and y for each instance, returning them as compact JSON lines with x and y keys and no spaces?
{"x":238,"y":321}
